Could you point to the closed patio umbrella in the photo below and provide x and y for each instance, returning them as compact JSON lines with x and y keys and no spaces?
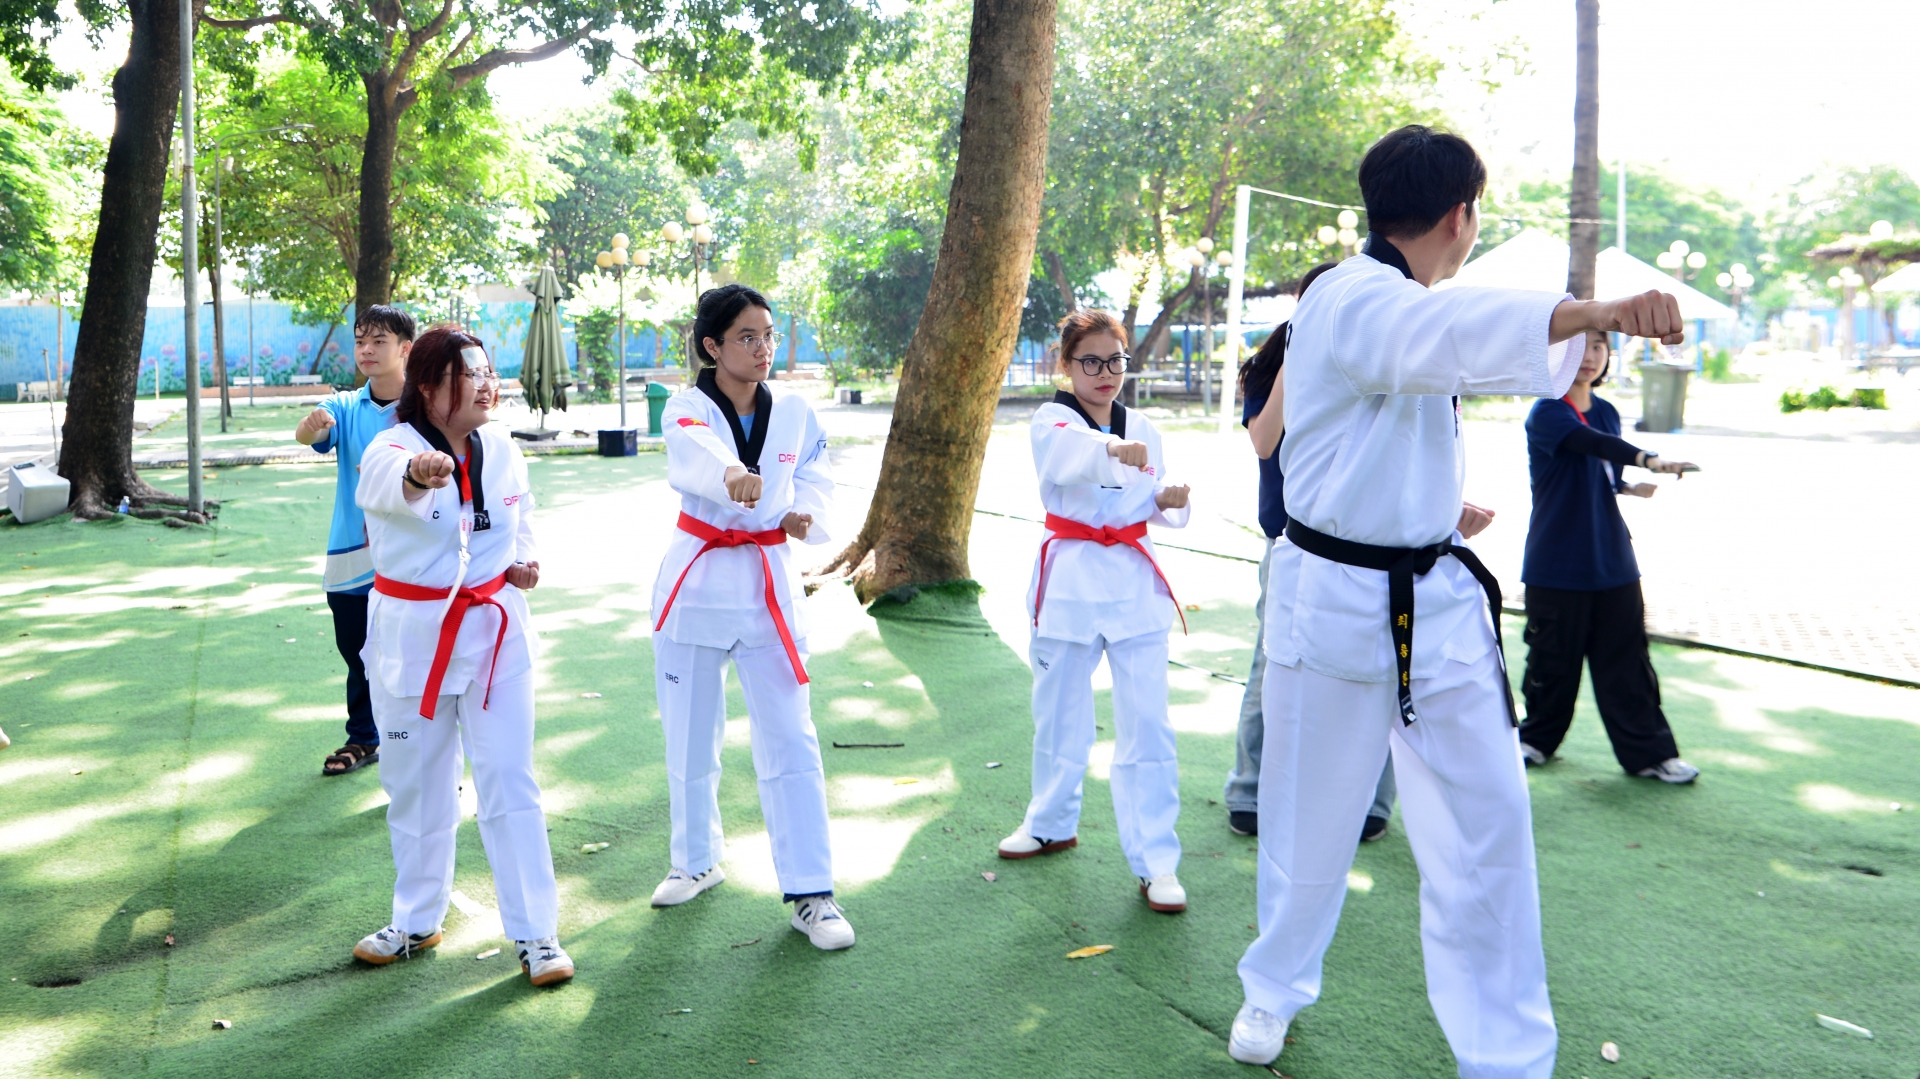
{"x":543,"y":372}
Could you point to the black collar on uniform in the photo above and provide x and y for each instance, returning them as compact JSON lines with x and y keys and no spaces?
{"x":474,"y":467}
{"x":748,"y":447}
{"x":1380,"y":250}
{"x":1119,"y":413}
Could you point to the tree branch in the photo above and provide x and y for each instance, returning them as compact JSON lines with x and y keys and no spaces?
{"x":417,"y":39}
{"x":245,"y":24}
{"x":498,"y":58}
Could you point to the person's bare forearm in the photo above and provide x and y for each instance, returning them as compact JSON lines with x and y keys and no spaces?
{"x":1650,"y":314}
{"x":1269,"y":424}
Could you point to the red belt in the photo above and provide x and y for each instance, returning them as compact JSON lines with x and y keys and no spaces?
{"x":1064,"y":529}
{"x":450,"y":628}
{"x":772,"y":537}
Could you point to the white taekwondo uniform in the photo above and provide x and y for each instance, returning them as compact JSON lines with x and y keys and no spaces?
{"x":1091,"y":596}
{"x":714,"y":605}
{"x":1373,"y":455}
{"x":484,"y":703}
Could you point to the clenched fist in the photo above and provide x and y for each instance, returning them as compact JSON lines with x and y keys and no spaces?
{"x":430,"y":470}
{"x":797,"y":525}
{"x":1131,"y":454}
{"x":313,"y":426}
{"x":743,"y":486}
{"x":1473,"y":520}
{"x":1171,"y":498}
{"x":523,"y":575}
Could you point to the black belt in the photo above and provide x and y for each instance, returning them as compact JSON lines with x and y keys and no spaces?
{"x":1402,"y":565}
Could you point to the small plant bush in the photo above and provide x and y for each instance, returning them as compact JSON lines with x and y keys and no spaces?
{"x":1826,"y":397}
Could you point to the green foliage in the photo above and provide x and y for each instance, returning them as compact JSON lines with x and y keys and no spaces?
{"x":1718,"y":365}
{"x":594,"y":330}
{"x":876,"y":289}
{"x":465,"y":187}
{"x":606,"y":191}
{"x":1826,"y":397}
{"x":48,"y":191}
{"x":1868,"y":397}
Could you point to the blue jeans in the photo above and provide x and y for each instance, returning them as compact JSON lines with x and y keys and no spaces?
{"x":1243,"y":783}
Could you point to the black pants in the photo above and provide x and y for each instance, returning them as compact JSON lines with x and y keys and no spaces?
{"x":1609,"y":631}
{"x":350,"y":635}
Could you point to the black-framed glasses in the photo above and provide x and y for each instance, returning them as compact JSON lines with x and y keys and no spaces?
{"x":1113,"y":365}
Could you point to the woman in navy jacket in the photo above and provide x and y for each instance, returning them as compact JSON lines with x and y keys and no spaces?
{"x":1583,"y":584}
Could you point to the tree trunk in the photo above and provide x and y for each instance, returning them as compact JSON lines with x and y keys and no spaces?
{"x":1161,"y":331}
{"x":1583,"y":233}
{"x":922,"y":513}
{"x":96,"y":454}
{"x":373,"y":274}
{"x":1057,"y":270}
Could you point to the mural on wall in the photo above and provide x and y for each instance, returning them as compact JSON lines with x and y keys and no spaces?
{"x":264,"y":342}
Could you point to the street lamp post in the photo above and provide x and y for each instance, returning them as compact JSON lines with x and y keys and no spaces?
{"x":1737,"y":281}
{"x":617,"y":260}
{"x":220,"y":167}
{"x":698,"y":234}
{"x":1847,"y":281}
{"x":1199,"y":260}
{"x":1678,"y":257}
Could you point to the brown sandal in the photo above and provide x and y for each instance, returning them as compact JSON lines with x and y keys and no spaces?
{"x":348,"y":758}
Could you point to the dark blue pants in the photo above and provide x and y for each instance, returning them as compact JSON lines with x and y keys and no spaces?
{"x":350,"y":635}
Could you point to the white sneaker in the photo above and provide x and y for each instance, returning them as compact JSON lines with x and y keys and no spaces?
{"x":4,"y":741}
{"x":1257,"y":1036}
{"x":1532,"y":756}
{"x":820,"y":918}
{"x":1671,"y":770}
{"x":681,"y":886}
{"x":1023,"y":845}
{"x":544,"y":960}
{"x":1164,"y":893}
{"x":390,"y":944}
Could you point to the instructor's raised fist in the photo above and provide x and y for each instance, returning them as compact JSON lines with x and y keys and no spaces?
{"x":431,"y":469}
{"x":1650,"y":314}
{"x":743,"y":486}
{"x":313,"y":426}
{"x":1131,"y":454}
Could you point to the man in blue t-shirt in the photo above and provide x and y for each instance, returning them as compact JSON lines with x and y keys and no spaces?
{"x":345,"y":423}
{"x":1583,"y":585}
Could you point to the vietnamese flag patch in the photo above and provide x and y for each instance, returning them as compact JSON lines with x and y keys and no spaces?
{"x":688,"y":421}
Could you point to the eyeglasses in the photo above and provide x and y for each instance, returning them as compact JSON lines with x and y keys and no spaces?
{"x":1113,"y":365}
{"x":753,"y":344}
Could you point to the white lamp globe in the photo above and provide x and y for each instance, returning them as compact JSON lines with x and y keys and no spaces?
{"x":1224,"y":258}
{"x":1204,"y":245}
{"x":1834,"y":281}
{"x":1348,"y":219}
{"x":1739,"y":269}
{"x":619,"y":240}
{"x":673,"y":232}
{"x":1679,"y":247}
{"x":641,"y":258}
{"x":1724,"y":280}
{"x":603,"y":260}
{"x":1328,"y":235}
{"x":702,"y":234}
{"x":698,"y":214}
{"x":1881,"y":230}
{"x":619,"y":256}
{"x":1193,"y":258}
{"x":1697,"y":259}
{"x":1348,"y":237}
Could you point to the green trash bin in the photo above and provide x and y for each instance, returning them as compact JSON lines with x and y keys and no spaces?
{"x":656,"y":404}
{"x":1663,"y":397}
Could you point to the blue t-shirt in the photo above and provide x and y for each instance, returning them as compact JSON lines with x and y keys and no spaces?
{"x":746,"y":424}
{"x":1577,"y":539}
{"x":356,"y":421}
{"x":1273,"y":501}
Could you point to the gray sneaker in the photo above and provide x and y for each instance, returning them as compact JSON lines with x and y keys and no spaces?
{"x":1671,"y":770}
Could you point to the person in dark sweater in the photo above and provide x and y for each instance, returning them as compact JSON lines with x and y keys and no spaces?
{"x":1583,"y":585}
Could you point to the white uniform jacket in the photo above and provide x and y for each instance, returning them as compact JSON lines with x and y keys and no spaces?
{"x":724,"y":599}
{"x":1093,"y":590}
{"x":419,"y":543}
{"x":1373,"y":454}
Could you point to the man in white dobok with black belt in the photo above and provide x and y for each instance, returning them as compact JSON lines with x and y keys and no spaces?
{"x":1381,"y":629}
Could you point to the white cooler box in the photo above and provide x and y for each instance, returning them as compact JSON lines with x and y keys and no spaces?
{"x":35,"y":493}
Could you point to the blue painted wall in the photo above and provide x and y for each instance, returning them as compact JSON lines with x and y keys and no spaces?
{"x":281,"y":348}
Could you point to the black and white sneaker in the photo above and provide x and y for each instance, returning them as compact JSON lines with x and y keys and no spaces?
{"x":821,"y":919}
{"x":1243,"y":822}
{"x":1671,"y":770}
{"x":1532,"y":756}
{"x":544,"y":960}
{"x":390,"y":944}
{"x":681,"y":886}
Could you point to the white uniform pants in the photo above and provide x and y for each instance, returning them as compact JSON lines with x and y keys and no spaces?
{"x":420,"y":769}
{"x":689,"y":681}
{"x":1145,"y":780}
{"x":1463,"y":796}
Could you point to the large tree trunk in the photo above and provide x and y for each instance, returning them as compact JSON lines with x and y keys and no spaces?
{"x":96,"y":454}
{"x":1057,"y":271}
{"x":1583,"y":234}
{"x":922,"y":513}
{"x":373,"y":273}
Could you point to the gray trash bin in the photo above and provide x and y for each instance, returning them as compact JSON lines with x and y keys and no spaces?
{"x":1663,"y":397}
{"x":35,"y":493}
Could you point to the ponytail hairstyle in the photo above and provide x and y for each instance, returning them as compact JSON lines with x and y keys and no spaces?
{"x":434,"y":354}
{"x":1257,"y":375}
{"x":719,"y":309}
{"x":1082,"y":324}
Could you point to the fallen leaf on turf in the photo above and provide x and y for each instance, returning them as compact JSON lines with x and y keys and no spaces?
{"x":169,"y":940}
{"x":488,"y":954}
{"x":1610,"y":1053}
{"x":750,"y":1060}
{"x":1633,"y":846}
{"x":904,"y":781}
{"x":678,"y":1011}
{"x":589,"y":696}
{"x":290,"y":640}
{"x":223,"y":1024}
{"x":867,"y":685}
{"x":989,"y":877}
{"x":993,"y":764}
{"x":1193,"y":606}
{"x":1089,"y":952}
{"x":76,"y":771}
{"x":591,"y":848}
{"x":748,"y":943}
{"x":1843,"y":1026}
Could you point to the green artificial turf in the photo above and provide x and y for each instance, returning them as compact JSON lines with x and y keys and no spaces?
{"x":163,"y":675}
